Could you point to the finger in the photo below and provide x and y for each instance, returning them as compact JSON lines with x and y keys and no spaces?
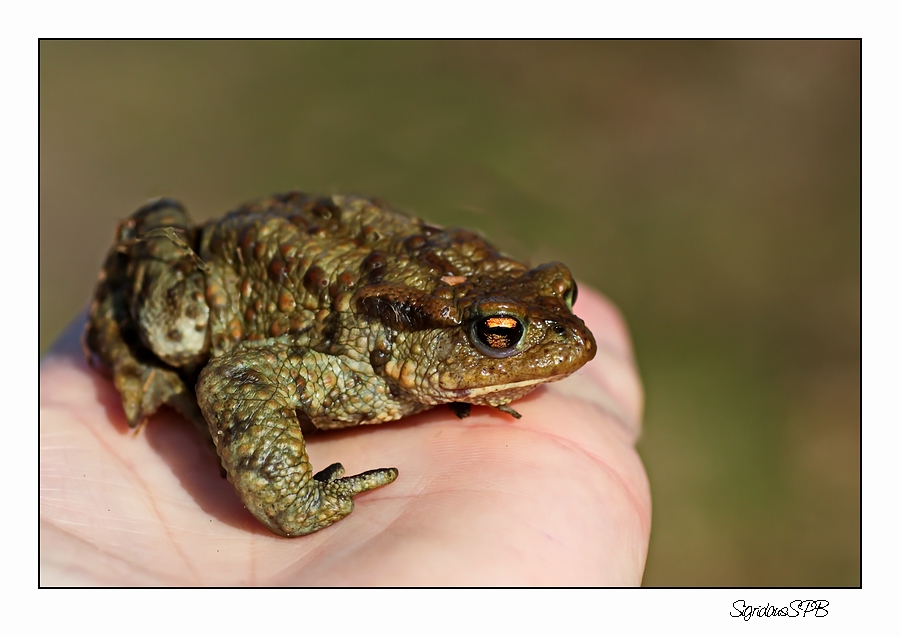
{"x":610,"y":381}
{"x":605,"y":321}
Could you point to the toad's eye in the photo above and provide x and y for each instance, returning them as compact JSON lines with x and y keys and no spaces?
{"x":497,"y":336}
{"x":571,"y":295}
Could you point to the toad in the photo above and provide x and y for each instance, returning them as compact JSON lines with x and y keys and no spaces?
{"x":296,"y":313}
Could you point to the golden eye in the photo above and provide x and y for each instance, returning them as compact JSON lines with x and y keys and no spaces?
{"x":497,"y":336}
{"x":571,"y":295}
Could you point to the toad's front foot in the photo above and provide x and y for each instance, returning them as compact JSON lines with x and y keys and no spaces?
{"x":331,"y":498}
{"x":250,"y":398}
{"x":322,"y":501}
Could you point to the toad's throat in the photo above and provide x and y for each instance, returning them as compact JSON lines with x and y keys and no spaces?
{"x":487,"y":390}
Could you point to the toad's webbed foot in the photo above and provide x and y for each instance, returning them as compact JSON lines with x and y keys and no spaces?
{"x":250,"y":398}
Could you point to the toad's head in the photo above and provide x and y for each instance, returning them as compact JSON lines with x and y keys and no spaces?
{"x":487,"y":338}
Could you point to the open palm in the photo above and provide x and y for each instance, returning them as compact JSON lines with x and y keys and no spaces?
{"x":559,"y":497}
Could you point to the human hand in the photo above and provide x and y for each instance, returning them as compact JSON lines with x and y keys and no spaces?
{"x":559,"y":497}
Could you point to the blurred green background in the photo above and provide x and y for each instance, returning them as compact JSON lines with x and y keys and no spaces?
{"x":711,"y":189}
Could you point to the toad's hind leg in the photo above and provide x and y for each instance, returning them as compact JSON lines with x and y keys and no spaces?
{"x":151,"y":254}
{"x":250,"y":397}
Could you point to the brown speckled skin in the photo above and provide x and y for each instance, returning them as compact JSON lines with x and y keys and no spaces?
{"x":294,"y":313}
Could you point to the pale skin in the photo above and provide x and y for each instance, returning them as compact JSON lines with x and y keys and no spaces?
{"x":559,"y":497}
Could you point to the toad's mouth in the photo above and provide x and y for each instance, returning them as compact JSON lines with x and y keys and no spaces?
{"x":475,"y":392}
